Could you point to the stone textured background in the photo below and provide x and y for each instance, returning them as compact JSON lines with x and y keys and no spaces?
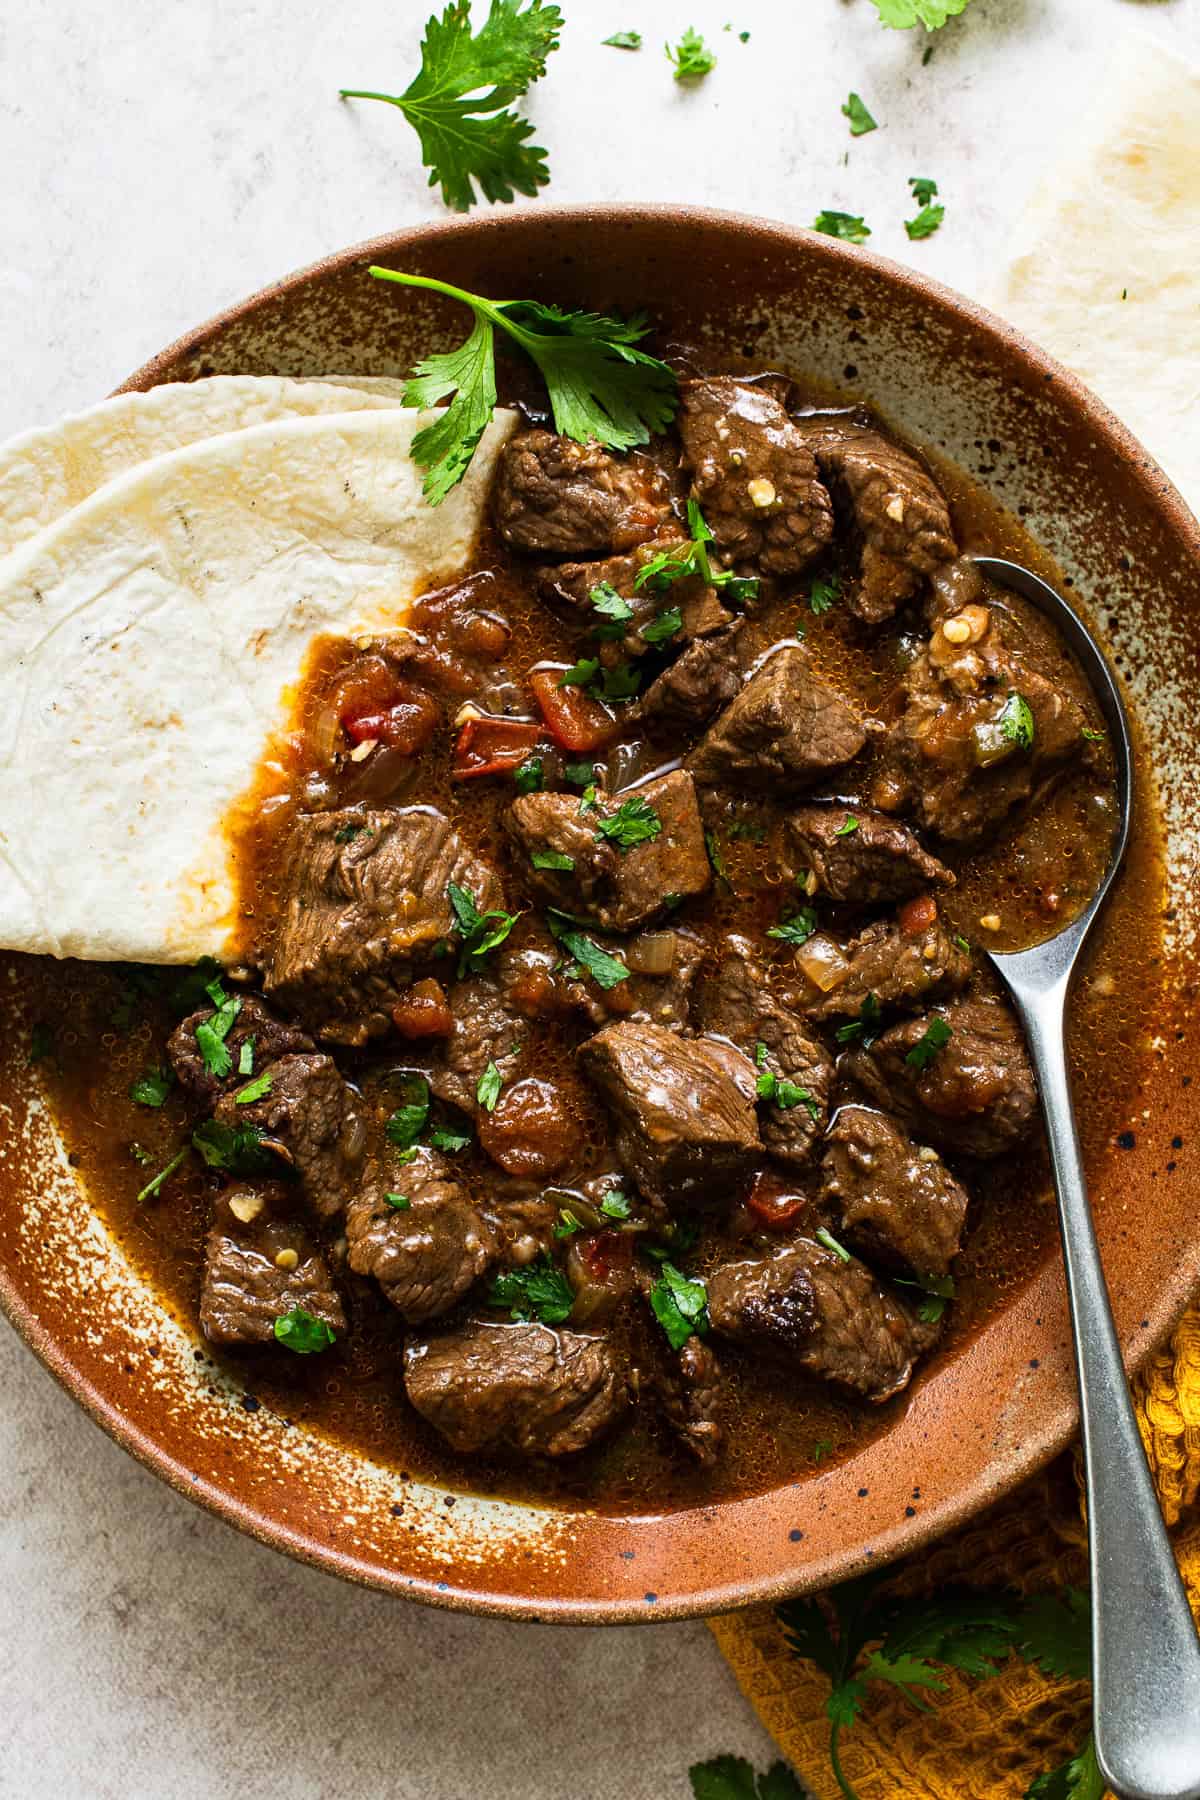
{"x":161,"y":158}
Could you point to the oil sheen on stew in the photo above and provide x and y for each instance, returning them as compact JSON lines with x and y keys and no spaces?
{"x":612,"y":1103}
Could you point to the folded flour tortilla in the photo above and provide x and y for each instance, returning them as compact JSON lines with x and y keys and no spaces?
{"x":1103,"y":267}
{"x":44,"y":473}
{"x":149,"y":643}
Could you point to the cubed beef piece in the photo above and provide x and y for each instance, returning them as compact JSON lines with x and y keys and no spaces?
{"x":270,"y":1037}
{"x":523,"y":1387}
{"x":805,"y":1305}
{"x":894,"y":505}
{"x":310,"y":1117}
{"x":785,"y":729}
{"x":687,"y":1385}
{"x":976,"y":1094}
{"x":683,"y":1108}
{"x":897,"y":1202}
{"x":753,"y":475}
{"x":619,"y":884}
{"x":982,"y":729}
{"x":901,"y":968}
{"x":367,"y":897}
{"x":702,"y":679}
{"x":486,"y":1030}
{"x":424,"y":1254}
{"x":561,"y":498}
{"x":260,"y":1263}
{"x":739,"y":1005}
{"x":860,"y":857}
{"x":571,"y":585}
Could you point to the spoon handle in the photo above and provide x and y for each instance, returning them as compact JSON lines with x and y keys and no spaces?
{"x":1145,"y":1654}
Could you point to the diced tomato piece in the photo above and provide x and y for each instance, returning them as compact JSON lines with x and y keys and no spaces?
{"x":492,"y":746}
{"x":916,"y":916}
{"x":774,"y":1205}
{"x":606,"y":1253}
{"x":574,"y":720}
{"x":422,"y":1011}
{"x":405,"y":721}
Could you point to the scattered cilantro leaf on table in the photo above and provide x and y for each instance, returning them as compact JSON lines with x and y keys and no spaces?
{"x":926,"y":222}
{"x":601,"y":386}
{"x":1079,"y":1778}
{"x":691,"y":57}
{"x":459,"y":101}
{"x":923,"y":189}
{"x":901,"y":15}
{"x":732,"y":1778}
{"x":860,"y":119}
{"x":850,"y":227}
{"x":624,"y":40}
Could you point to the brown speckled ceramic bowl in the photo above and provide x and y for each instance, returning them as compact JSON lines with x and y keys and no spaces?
{"x":979,"y":1418}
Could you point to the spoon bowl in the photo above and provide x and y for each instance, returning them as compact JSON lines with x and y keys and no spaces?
{"x":1145,"y":1654}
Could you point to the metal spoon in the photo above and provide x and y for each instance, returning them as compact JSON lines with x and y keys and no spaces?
{"x":1145,"y":1654}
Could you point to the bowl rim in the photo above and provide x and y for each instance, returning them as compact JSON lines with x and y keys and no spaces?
{"x":1008,"y":1470}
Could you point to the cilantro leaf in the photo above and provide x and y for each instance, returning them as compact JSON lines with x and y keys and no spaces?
{"x":540,"y":1291}
{"x":619,"y":683}
{"x":860,"y":119}
{"x":822,"y":594}
{"x":580,"y":774}
{"x":236,"y":1150}
{"x":824,"y":1236}
{"x":530,"y":776}
{"x":1055,"y":1633}
{"x":211,"y":1033}
{"x":691,"y":56}
{"x":716,"y":857}
{"x":624,"y":40}
{"x":936,"y":1291}
{"x":606,"y":600}
{"x":932,"y":14}
{"x":797,"y":929}
{"x":848,"y":226}
{"x":451,"y":1142}
{"x":581,"y":673}
{"x":607,"y":971}
{"x":1016,"y":721}
{"x":926,"y":222}
{"x":935,"y":1037}
{"x":1079,"y":1778}
{"x":398,"y":1202}
{"x":487,"y":1088}
{"x":152,"y":1087}
{"x":848,"y":825}
{"x":865,"y":1028}
{"x":152,"y":1187}
{"x":299,"y":1331}
{"x":732,"y":1778}
{"x":552,"y":859}
{"x":481,"y":933}
{"x":458,"y":102}
{"x":616,"y":1204}
{"x":408,"y":1121}
{"x":923,"y":189}
{"x":680,"y":1305}
{"x":246,"y":1056}
{"x":254,"y":1090}
{"x":665,"y":626}
{"x":634,"y":822}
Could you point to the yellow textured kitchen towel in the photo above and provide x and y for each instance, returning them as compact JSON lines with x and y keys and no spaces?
{"x":1130,"y":177}
{"x":982,"y":1740}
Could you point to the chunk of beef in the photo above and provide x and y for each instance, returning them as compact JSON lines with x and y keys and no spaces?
{"x":982,"y":728}
{"x":786,"y":728}
{"x":862,"y":863}
{"x":531,"y":1132}
{"x":486,"y":1030}
{"x":901,"y":968}
{"x":260,"y":1263}
{"x":618,"y":886}
{"x":897,"y":1202}
{"x":560,"y":498}
{"x":571,"y":585}
{"x":805,"y":1305}
{"x":688,"y":1387}
{"x":683,"y":1109}
{"x":522,"y":1387}
{"x":977,"y":1094}
{"x":426,"y":1254}
{"x":367,"y":898}
{"x":753,"y":475}
{"x":271,"y":1037}
{"x":705,"y":676}
{"x":740,"y":1006}
{"x":310,"y":1117}
{"x":896,"y":508}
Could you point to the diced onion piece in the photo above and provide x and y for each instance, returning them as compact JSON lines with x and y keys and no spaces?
{"x":326,"y":734}
{"x":823,"y":962}
{"x":653,"y":953}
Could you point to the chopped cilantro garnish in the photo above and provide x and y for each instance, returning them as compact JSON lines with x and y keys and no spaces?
{"x":398,"y":1202}
{"x":923,"y":189}
{"x":540,"y":1291}
{"x":616,"y":1204}
{"x":579,"y":774}
{"x":152,"y":1187}
{"x":211,"y":1033}
{"x":152,"y":1087}
{"x":865,"y":1028}
{"x":246,"y":1056}
{"x":408,"y":1121}
{"x":480,"y":932}
{"x":962,"y":943}
{"x":848,"y":825}
{"x":299,"y":1331}
{"x":606,"y":600}
{"x":848,"y":226}
{"x":820,"y":1449}
{"x":860,"y":119}
{"x":581,"y":673}
{"x":680,"y":1305}
{"x":935,"y":1290}
{"x":449,"y":1141}
{"x":254,"y":1090}
{"x":567,"y":1224}
{"x":926,"y":222}
{"x":798,"y":928}
{"x":529,"y":776}
{"x":824,"y":1236}
{"x":935,"y":1037}
{"x":715,"y":856}
{"x":1016,"y":721}
{"x":784,"y":1093}
{"x":607,"y":971}
{"x":346,"y":834}
{"x":237,"y":1150}
{"x":903,"y":14}
{"x":1092,"y":736}
{"x":634,"y":822}
{"x":691,"y":56}
{"x":487,"y":1089}
{"x":552,"y":859}
{"x":618,"y":683}
{"x":624,"y":40}
{"x":665,"y":626}
{"x":822,"y":594}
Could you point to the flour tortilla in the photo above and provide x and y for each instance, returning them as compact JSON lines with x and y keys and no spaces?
{"x":149,"y":644}
{"x":1121,"y":215}
{"x":44,"y":473}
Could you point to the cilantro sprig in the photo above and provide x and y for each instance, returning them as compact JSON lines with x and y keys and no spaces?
{"x":902,"y":15}
{"x":680,"y":1304}
{"x":852,"y":228}
{"x":600,"y":385}
{"x":691,"y":57}
{"x":634,"y":822}
{"x":540,"y":1291}
{"x":691,"y":557}
{"x":458,"y":103}
{"x":481,"y":932}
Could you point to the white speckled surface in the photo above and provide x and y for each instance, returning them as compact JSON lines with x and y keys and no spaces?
{"x":159,"y":161}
